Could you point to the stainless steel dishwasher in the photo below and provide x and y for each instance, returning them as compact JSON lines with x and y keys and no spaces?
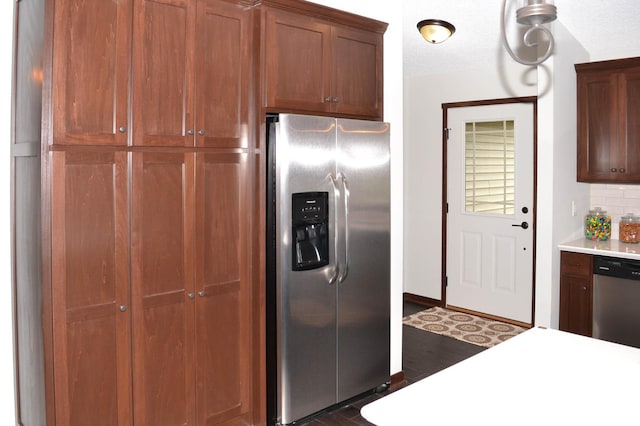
{"x":616,"y":300}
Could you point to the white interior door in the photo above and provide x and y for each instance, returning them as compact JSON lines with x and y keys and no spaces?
{"x":490,"y":158}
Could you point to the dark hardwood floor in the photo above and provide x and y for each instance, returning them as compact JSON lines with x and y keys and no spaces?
{"x":423,"y":354}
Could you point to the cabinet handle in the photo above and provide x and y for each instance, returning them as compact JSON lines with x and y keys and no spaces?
{"x":621,"y":170}
{"x":122,"y":129}
{"x":123,"y":308}
{"x":613,"y":170}
{"x":336,"y":100}
{"x":192,"y":295}
{"x":327,"y":99}
{"x":201,"y":293}
{"x":201,"y":132}
{"x":190,"y":132}
{"x":584,"y":288}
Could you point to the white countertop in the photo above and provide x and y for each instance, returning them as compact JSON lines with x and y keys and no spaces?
{"x":539,"y":377}
{"x":613,"y":248}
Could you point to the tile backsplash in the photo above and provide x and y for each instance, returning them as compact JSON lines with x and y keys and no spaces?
{"x":617,"y":200}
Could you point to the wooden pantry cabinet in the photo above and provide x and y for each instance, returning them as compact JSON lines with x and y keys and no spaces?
{"x":609,"y":121}
{"x":320,"y":60}
{"x":147,"y":309}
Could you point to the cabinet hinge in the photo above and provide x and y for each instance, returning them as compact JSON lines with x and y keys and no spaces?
{"x":446,"y":131}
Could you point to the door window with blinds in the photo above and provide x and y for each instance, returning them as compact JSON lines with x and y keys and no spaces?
{"x":490,"y":167}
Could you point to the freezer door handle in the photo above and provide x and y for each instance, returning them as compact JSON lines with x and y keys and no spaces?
{"x":336,"y":199}
{"x":345,"y":267}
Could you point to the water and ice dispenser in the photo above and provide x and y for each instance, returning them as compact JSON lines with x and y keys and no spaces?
{"x":310,"y":226}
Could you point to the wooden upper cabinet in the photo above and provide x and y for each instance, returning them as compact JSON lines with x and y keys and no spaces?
{"x":357,"y":72}
{"x":90,"y":288}
{"x":163,"y":72}
{"x":222,"y":83}
{"x":609,"y":121}
{"x":298,"y":66}
{"x":191,"y":73}
{"x":316,"y":62}
{"x":91,"y":72}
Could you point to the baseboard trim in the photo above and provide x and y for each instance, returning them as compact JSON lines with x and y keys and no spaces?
{"x":398,"y":381}
{"x":421,"y":300}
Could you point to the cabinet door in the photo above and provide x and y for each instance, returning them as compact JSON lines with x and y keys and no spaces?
{"x":357,"y":72}
{"x":630,"y":124}
{"x":90,"y":72}
{"x":576,"y":299}
{"x":90,"y":280}
{"x":222,"y":74}
{"x":576,"y":292}
{"x":163,"y":72}
{"x":162,"y":288}
{"x":297,"y":55}
{"x":223,"y":309}
{"x":597,"y":127}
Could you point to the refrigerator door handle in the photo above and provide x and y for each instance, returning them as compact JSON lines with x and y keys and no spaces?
{"x":345,"y":268}
{"x":336,"y":199}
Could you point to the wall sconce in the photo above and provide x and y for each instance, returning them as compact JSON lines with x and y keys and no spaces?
{"x":435,"y":31}
{"x":533,"y":14}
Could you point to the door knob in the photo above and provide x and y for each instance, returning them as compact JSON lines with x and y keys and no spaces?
{"x":523,"y":225}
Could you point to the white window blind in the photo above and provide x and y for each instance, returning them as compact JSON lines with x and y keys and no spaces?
{"x":489,"y":167}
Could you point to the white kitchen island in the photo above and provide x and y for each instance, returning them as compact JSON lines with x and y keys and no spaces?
{"x":540,"y":377}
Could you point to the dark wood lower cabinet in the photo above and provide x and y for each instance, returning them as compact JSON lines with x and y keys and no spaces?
{"x":152,"y":296}
{"x":576,"y":292}
{"x":90,"y":282}
{"x":222,"y":276}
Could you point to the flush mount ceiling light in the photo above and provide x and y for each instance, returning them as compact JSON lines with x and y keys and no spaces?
{"x":534,"y":14}
{"x":435,"y":31}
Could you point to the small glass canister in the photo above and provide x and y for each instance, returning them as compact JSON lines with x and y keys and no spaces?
{"x":630,"y":228}
{"x":597,"y":225}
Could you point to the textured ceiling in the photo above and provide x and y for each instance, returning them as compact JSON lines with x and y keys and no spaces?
{"x":603,"y":27}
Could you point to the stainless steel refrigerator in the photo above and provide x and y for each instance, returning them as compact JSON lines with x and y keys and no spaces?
{"x":328,"y":262}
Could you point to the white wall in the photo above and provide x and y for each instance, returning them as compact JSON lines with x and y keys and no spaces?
{"x":423,"y":101}
{"x":380,"y":10}
{"x":7,"y":403}
{"x":557,"y":186}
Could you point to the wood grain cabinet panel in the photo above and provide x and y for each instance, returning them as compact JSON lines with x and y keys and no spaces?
{"x":576,"y":292}
{"x":609,"y":121}
{"x":357,"y":72}
{"x":163,"y":72}
{"x":317,"y":64}
{"x":91,"y":63}
{"x":298,"y":63}
{"x":222,"y":83}
{"x":223,"y":310}
{"x":91,"y":334}
{"x":162,"y":229}
{"x":191,"y":73}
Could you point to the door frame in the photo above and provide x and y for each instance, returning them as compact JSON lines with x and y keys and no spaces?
{"x":445,"y":133}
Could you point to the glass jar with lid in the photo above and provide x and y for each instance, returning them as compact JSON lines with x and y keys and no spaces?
{"x":629,"y":231}
{"x":597,"y":225}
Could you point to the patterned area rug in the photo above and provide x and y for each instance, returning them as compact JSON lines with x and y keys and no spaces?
{"x":466,"y":327}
